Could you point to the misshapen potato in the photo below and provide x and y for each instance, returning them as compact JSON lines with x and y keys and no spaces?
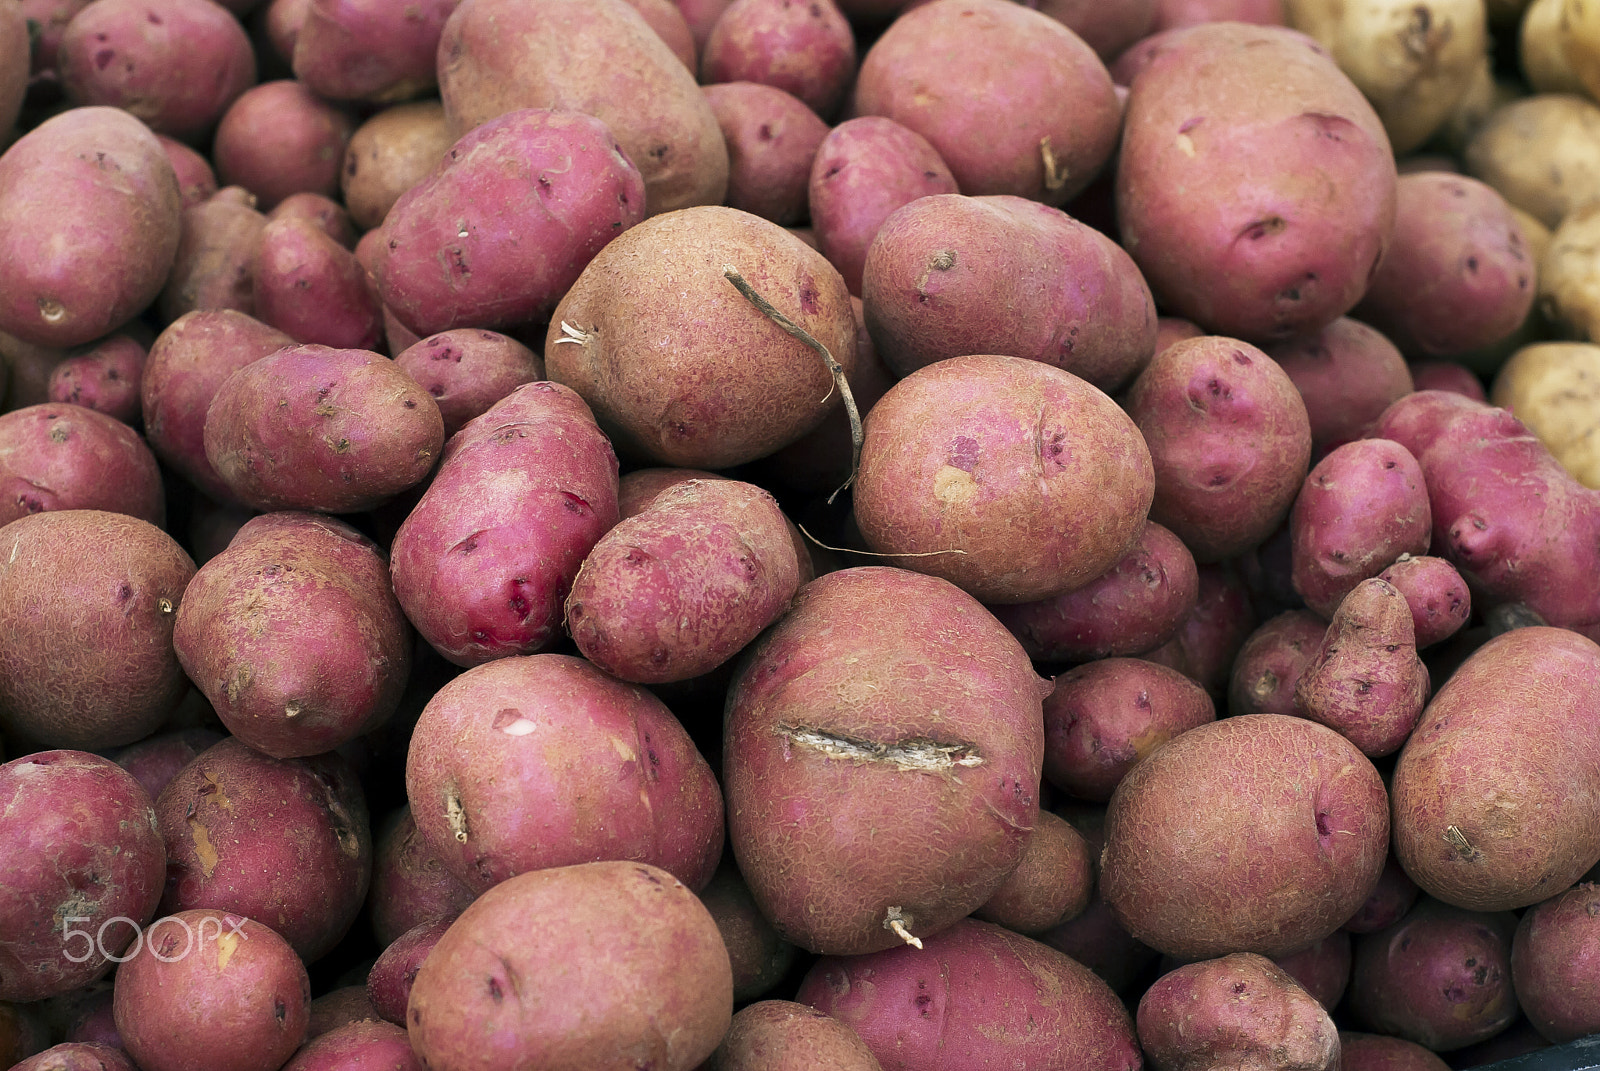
{"x":1271,"y":661}
{"x":1439,"y":600}
{"x":1221,"y":129}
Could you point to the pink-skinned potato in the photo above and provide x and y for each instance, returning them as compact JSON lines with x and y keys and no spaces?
{"x":105,"y":378}
{"x":318,"y":428}
{"x":106,"y":586}
{"x":780,"y":1035}
{"x":1347,"y":375}
{"x":390,"y":153}
{"x":294,"y":635}
{"x":340,"y":1007}
{"x":279,"y":138}
{"x":1212,"y":633}
{"x":760,"y":957}
{"x":598,"y":57}
{"x":1391,"y":898}
{"x":1221,"y":127}
{"x":370,"y":50}
{"x":772,"y":140}
{"x":51,"y":17}
{"x":390,"y":980}
{"x":1316,"y":809}
{"x":77,"y":1056}
{"x":1270,"y":663}
{"x":155,"y":760}
{"x":410,"y":883}
{"x":1375,"y":1052}
{"x":945,"y":766}
{"x":284,"y":841}
{"x":950,"y":275}
{"x":1107,"y":28}
{"x":975,"y":995}
{"x":1217,"y":489}
{"x":513,"y":213}
{"x":59,"y":456}
{"x":1052,"y":883}
{"x":14,"y":53}
{"x":672,"y":26}
{"x":313,"y":289}
{"x":1175,"y":13}
{"x":807,"y":50}
{"x":1553,"y":956}
{"x":467,"y":370}
{"x":67,"y":177}
{"x":366,"y":1044}
{"x":999,"y":457}
{"x":80,"y":848}
{"x":1448,"y":375}
{"x":1061,"y":124}
{"x":544,"y":761}
{"x":484,"y":562}
{"x":1323,"y":969}
{"x":1098,"y":941}
{"x":197,"y":182}
{"x":657,"y":992}
{"x":215,"y":264}
{"x":241,"y":981}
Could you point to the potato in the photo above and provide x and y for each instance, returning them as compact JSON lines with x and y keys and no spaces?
{"x":679,"y":368}
{"x":390,"y":153}
{"x":1439,"y":600}
{"x":807,"y":50}
{"x":339,"y":1007}
{"x":760,"y":957}
{"x":1097,"y":940}
{"x":175,"y":64}
{"x":317,"y":428}
{"x":241,"y":977}
{"x":815,"y":756}
{"x":656,"y":991}
{"x":484,"y":561}
{"x":1514,"y":717}
{"x":1107,"y":28}
{"x":1190,"y":879}
{"x":1374,"y":1052}
{"x":505,"y":223}
{"x":1220,"y":130}
{"x":224,"y":818}
{"x":1271,"y":661}
{"x":328,"y":215}
{"x":390,"y":980}
{"x":976,"y":996}
{"x":772,"y":139}
{"x":214,"y":267}
{"x":1448,"y":375}
{"x":1217,"y":489}
{"x":1413,"y":61}
{"x":1542,"y":49}
{"x":62,"y":456}
{"x":779,"y":1035}
{"x":313,"y":289}
{"x":1553,"y":964}
{"x":1105,"y":717}
{"x":1059,"y":128}
{"x":77,"y":1057}
{"x":155,"y":760}
{"x":107,"y":587}
{"x":197,"y":182}
{"x":14,"y":49}
{"x":1323,"y":969}
{"x":1052,"y":882}
{"x":358,"y":1044}
{"x":1389,"y":902}
{"x":279,"y":138}
{"x":1034,"y":476}
{"x":105,"y":378}
{"x":410,"y":883}
{"x":598,"y":57}
{"x":1440,"y":977}
{"x":1542,"y":153}
{"x":82,"y":856}
{"x":1554,"y":388}
{"x":375,"y":52}
{"x":72,"y":174}
{"x":1175,"y":13}
{"x":1240,"y":1011}
{"x":1212,"y":633}
{"x":1347,"y":375}
{"x":950,"y":275}
{"x":1569,"y":285}
{"x":468,"y":370}
{"x":1580,"y":33}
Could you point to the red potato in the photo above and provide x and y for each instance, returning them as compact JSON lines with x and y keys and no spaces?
{"x":68,"y":176}
{"x":390,"y":153}
{"x":81,"y":851}
{"x":1098,"y":941}
{"x":1374,"y":1052}
{"x":1439,"y":600}
{"x":1448,"y":375}
{"x":1389,"y":902}
{"x":701,"y":16}
{"x":63,"y":456}
{"x":760,"y":957}
{"x":175,"y":64}
{"x":239,"y":980}
{"x":1052,"y":883}
{"x":390,"y":980}
{"x":215,"y":264}
{"x":1210,"y":636}
{"x":1173,"y":13}
{"x":155,"y":760}
{"x":1553,"y":956}
{"x":357,"y":1044}
{"x":772,"y":140}
{"x":862,"y":172}
{"x":197,"y":182}
{"x":807,"y":50}
{"x":672,"y":27}
{"x":339,"y":1007}
{"x":484,"y":575}
{"x":283,"y":841}
{"x":277,"y":26}
{"x":328,"y":215}
{"x":467,"y":370}
{"x":929,"y":67}
{"x":105,"y":586}
{"x":373,"y":51}
{"x":312,"y":289}
{"x":1216,"y":491}
{"x":1347,"y":374}
{"x":105,"y":379}
{"x":1107,"y":28}
{"x":975,"y":996}
{"x":1220,"y":128}
{"x":278,"y":138}
{"x":77,"y":1056}
{"x":1271,"y":661}
{"x":514,"y":213}
{"x":779,"y":1035}
{"x":410,"y":883}
{"x":1323,"y":969}
{"x":1239,"y":1011}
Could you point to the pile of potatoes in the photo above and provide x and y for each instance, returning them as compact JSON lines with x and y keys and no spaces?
{"x":759,"y":535}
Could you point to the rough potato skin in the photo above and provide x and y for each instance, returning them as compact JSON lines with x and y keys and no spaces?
{"x":1323,"y":969}
{"x":1553,"y":958}
{"x":340,"y":1007}
{"x":1213,"y":196}
{"x":317,"y":428}
{"x":599,"y":57}
{"x":1241,"y":1011}
{"x":78,"y":846}
{"x":1347,"y":374}
{"x":780,"y":1035}
{"x":836,"y":726}
{"x":283,"y":841}
{"x":1374,"y":1052}
{"x":367,"y":1044}
{"x":410,"y":883}
{"x":468,"y":370}
{"x":976,"y":996}
{"x":1230,"y":439}
{"x":390,"y":153}
{"x":607,"y":967}
{"x":760,"y":957}
{"x":1495,"y":800}
{"x":1210,"y":636}
{"x":1058,"y":125}
{"x":772,"y":140}
{"x":1052,"y":883}
{"x":155,"y":760}
{"x":1439,"y":600}
{"x":483,"y":563}
{"x":107,"y":587}
{"x":678,"y":366}
{"x":1301,"y":795}
{"x":1553,"y":388}
{"x":70,"y":276}
{"x":807,"y":50}
{"x":1033,"y":473}
{"x":60,"y":456}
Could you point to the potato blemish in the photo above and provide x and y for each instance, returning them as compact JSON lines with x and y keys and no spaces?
{"x":914,"y":754}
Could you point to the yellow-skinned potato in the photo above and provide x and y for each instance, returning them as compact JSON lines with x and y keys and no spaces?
{"x":1580,"y":34}
{"x":1541,"y":152}
{"x":1414,"y":59}
{"x":1542,"y":46}
{"x":1554,"y":388}
{"x":1569,"y":275}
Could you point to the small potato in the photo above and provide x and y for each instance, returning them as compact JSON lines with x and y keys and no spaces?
{"x":155,"y":760}
{"x":278,"y":138}
{"x":370,"y":51}
{"x":410,"y":883}
{"x":1271,"y":661}
{"x":1389,"y":902}
{"x":339,"y":1007}
{"x":105,"y":378}
{"x":1542,"y":153}
{"x":772,"y":140}
{"x":357,"y":1044}
{"x":1439,"y":600}
{"x":62,"y":456}
{"x":807,"y":50}
{"x":326,"y":214}
{"x":214,"y":267}
{"x":1553,"y":960}
{"x":1569,"y":280}
{"x":390,"y":153}
{"x":1374,"y":1052}
{"x":468,"y":370}
{"x":1323,"y":969}
{"x":197,"y":182}
{"x":1098,"y":941}
{"x":390,"y":979}
{"x":1107,"y":28}
{"x":760,"y":957}
{"x":1448,"y":375}
{"x":1554,"y":388}
{"x":313,"y":289}
{"x":77,"y":1057}
{"x":1051,"y":884}
{"x":1211,"y":634}
{"x":778,"y":1035}
{"x":1347,"y":374}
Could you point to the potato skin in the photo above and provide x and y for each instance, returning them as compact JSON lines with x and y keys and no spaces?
{"x":278,"y":139}
{"x":59,"y":456}
{"x":814,"y":754}
{"x":410,"y":883}
{"x":80,"y":847}
{"x":1553,"y":956}
{"x":390,"y":153}
{"x":772,"y":140}
{"x":1554,"y":389}
{"x":369,"y":50}
{"x":357,"y":1044}
{"x":69,"y":175}
{"x":1494,"y":798}
{"x":1374,"y":1052}
{"x":390,"y":979}
{"x":807,"y":50}
{"x":780,"y":1035}
{"x":76,"y":1056}
{"x":1347,"y":375}
{"x":656,"y":991}
{"x":1211,"y":634}
{"x":1033,"y":473}
{"x":1052,"y":883}
{"x":468,"y":370}
{"x":306,"y":284}
{"x":760,"y":957}
{"x":317,"y":428}
{"x":105,"y":586}
{"x":1304,"y":798}
{"x":1542,"y":153}
{"x":1212,"y":198}
{"x":216,"y":260}
{"x":1269,"y":664}
{"x":105,"y":378}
